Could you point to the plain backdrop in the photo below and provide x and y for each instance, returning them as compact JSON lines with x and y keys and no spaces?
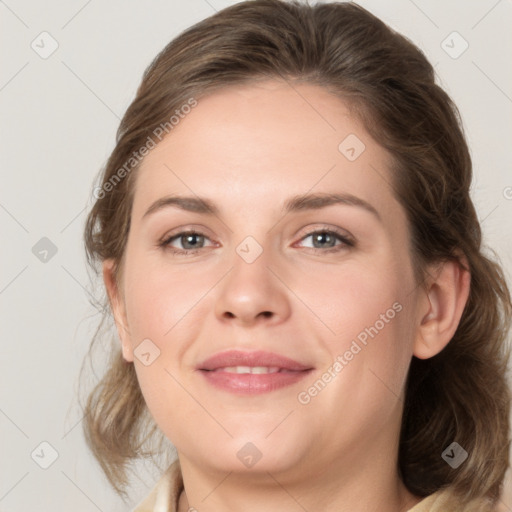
{"x":59,"y":114}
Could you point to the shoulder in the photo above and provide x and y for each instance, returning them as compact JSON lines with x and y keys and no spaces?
{"x":164,"y":496}
{"x":446,"y":501}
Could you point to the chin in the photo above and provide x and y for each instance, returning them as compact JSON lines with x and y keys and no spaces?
{"x":254,"y":454}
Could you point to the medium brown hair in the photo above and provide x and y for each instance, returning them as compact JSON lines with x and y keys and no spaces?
{"x":459,"y":395}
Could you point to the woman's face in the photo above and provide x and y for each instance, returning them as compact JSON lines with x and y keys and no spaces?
{"x":298,"y":283}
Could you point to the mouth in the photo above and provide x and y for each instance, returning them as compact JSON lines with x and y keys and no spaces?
{"x":249,"y":373}
{"x":259,"y":370}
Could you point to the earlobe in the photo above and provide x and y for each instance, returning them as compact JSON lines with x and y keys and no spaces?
{"x":118,"y":309}
{"x":444,"y":301}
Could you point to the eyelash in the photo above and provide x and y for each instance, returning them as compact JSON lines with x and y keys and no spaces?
{"x":345,"y":241}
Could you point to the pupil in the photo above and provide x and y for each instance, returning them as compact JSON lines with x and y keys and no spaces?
{"x":323,"y":237}
{"x":189,"y":239}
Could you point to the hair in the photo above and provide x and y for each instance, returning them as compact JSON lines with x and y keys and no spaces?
{"x":459,"y":395}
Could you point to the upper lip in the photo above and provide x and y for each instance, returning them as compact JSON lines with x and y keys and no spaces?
{"x":230,"y":358}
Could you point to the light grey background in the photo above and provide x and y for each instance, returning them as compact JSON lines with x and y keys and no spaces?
{"x":58,"y":120}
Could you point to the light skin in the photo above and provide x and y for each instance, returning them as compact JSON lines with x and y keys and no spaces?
{"x":249,"y":149}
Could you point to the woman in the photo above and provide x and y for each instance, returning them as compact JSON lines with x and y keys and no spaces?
{"x":295,"y":270}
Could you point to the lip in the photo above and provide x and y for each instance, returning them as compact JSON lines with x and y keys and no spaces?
{"x":290,"y":371}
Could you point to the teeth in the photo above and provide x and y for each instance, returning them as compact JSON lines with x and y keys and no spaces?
{"x":264,"y":369}
{"x":250,"y":369}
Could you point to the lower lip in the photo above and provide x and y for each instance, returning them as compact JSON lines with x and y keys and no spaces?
{"x":253,"y":383}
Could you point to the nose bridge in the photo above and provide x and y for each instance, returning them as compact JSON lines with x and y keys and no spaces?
{"x":251,"y":290}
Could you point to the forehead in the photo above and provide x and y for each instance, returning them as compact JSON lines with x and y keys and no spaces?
{"x":262,"y":140}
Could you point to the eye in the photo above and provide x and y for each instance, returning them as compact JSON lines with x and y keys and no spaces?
{"x":328,"y":240}
{"x":190,"y":242}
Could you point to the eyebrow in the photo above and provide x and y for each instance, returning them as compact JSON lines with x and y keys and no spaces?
{"x":294,"y":204}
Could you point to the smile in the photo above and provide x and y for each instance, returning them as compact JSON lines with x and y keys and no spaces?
{"x":254,"y":372}
{"x":248,"y":369}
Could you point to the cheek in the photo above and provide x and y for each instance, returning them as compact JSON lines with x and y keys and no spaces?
{"x":160,"y":297}
{"x":369,"y":356}
{"x":160,"y":305}
{"x":349,"y":298}
{"x":164,"y":307}
{"x":364,"y":314}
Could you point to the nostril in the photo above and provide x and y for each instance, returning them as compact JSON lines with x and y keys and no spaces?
{"x":266,"y":314}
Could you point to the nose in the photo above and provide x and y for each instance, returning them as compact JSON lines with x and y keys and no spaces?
{"x":252,"y":293}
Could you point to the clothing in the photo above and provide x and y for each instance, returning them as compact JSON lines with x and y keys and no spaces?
{"x":165,"y":495}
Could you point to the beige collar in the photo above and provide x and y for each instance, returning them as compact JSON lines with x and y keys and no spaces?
{"x":166,"y":493}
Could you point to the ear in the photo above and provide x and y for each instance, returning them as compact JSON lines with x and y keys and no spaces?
{"x":118,"y":309}
{"x":441,"y":308}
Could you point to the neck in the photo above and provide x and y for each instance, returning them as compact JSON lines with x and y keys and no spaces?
{"x":359,"y":486}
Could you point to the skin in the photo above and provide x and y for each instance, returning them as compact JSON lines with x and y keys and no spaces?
{"x":248,"y":149}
